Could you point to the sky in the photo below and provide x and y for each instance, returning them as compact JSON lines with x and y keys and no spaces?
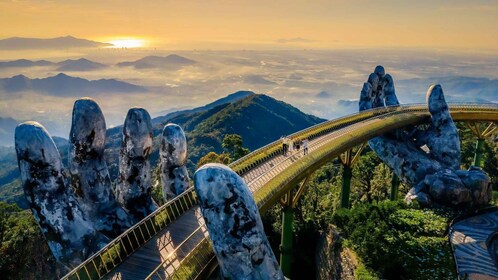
{"x":255,"y":24}
{"x":314,"y":55}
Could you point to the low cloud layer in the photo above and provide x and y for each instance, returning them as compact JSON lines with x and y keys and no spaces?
{"x":323,"y":83}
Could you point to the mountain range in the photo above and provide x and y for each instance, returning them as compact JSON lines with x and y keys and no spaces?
{"x":64,"y":85}
{"x":81,"y":64}
{"x":171,"y":61}
{"x":456,"y":88}
{"x":258,"y":118}
{"x":20,"y":43}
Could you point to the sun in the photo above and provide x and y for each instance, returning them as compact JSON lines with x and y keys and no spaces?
{"x":127,"y":43}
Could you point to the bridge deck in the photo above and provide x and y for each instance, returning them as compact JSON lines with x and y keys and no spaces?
{"x":469,"y":239}
{"x":171,"y":242}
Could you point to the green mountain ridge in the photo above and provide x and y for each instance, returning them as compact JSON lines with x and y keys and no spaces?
{"x":258,"y":118}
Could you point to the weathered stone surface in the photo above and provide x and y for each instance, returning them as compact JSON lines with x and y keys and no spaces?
{"x":446,"y":187}
{"x":134,"y":188}
{"x":479,"y":185}
{"x":442,"y":137}
{"x":173,"y":157}
{"x":389,"y":92}
{"x":89,"y":173}
{"x":408,"y":162}
{"x":70,"y":236}
{"x":433,"y":174}
{"x":234,"y":225}
{"x":174,"y":181}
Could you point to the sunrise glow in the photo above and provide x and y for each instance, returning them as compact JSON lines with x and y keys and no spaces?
{"x":127,"y":43}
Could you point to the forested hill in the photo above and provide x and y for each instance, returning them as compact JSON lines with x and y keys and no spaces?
{"x":258,"y":118}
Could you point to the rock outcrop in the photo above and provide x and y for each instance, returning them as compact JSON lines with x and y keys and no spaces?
{"x":173,"y":157}
{"x":134,"y":188}
{"x":234,"y":225}
{"x":434,"y":172}
{"x":71,"y":236}
{"x":89,"y":173}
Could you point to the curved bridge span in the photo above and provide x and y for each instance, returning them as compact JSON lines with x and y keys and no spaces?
{"x":173,"y":243}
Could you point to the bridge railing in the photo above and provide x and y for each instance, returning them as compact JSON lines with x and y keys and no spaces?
{"x":200,"y":254}
{"x":246,"y":163}
{"x":114,"y":253}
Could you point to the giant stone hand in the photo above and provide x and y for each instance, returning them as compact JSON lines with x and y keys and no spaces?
{"x":78,"y":210}
{"x":433,"y":172}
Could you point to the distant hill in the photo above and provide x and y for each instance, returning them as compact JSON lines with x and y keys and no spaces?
{"x":81,"y":64}
{"x":172,"y":61}
{"x":19,"y":43}
{"x":68,"y":65}
{"x":456,"y":89}
{"x":64,"y":85}
{"x":25,"y":63}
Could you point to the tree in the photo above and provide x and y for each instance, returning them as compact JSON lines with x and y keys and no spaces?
{"x":232,"y":144}
{"x":213,"y":157}
{"x":25,"y":253}
{"x":363,"y":173}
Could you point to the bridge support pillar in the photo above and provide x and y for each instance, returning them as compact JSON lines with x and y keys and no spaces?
{"x":481,"y":131}
{"x":347,"y":174}
{"x":394,"y":187}
{"x":348,"y":159}
{"x":286,"y":241}
{"x":289,"y":202}
{"x":478,"y":152}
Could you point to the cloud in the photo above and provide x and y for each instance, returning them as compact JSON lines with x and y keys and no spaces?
{"x":294,"y":40}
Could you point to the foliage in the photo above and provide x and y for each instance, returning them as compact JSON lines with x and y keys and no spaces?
{"x":490,"y":153}
{"x":25,"y":253}
{"x":157,"y":189}
{"x":391,"y":238}
{"x":233,"y":150}
{"x":213,"y":157}
{"x":397,"y":240}
{"x":372,"y":179}
{"x":232,"y":145}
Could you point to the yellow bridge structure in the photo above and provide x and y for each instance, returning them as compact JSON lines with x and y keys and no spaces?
{"x":173,"y":243}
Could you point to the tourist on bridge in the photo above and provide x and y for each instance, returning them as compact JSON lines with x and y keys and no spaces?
{"x":297,"y":144}
{"x":285,"y":145}
{"x":305,"y":146}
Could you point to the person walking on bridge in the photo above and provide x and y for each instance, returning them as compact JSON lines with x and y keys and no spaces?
{"x":305,"y":146}
{"x":284,"y":145}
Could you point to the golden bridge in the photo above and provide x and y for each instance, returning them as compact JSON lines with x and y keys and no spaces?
{"x":173,"y":243}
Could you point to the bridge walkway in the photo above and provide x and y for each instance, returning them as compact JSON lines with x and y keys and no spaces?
{"x":471,"y":241}
{"x":177,"y":239}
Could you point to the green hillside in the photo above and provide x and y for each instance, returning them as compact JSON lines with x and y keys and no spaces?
{"x":258,"y":118}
